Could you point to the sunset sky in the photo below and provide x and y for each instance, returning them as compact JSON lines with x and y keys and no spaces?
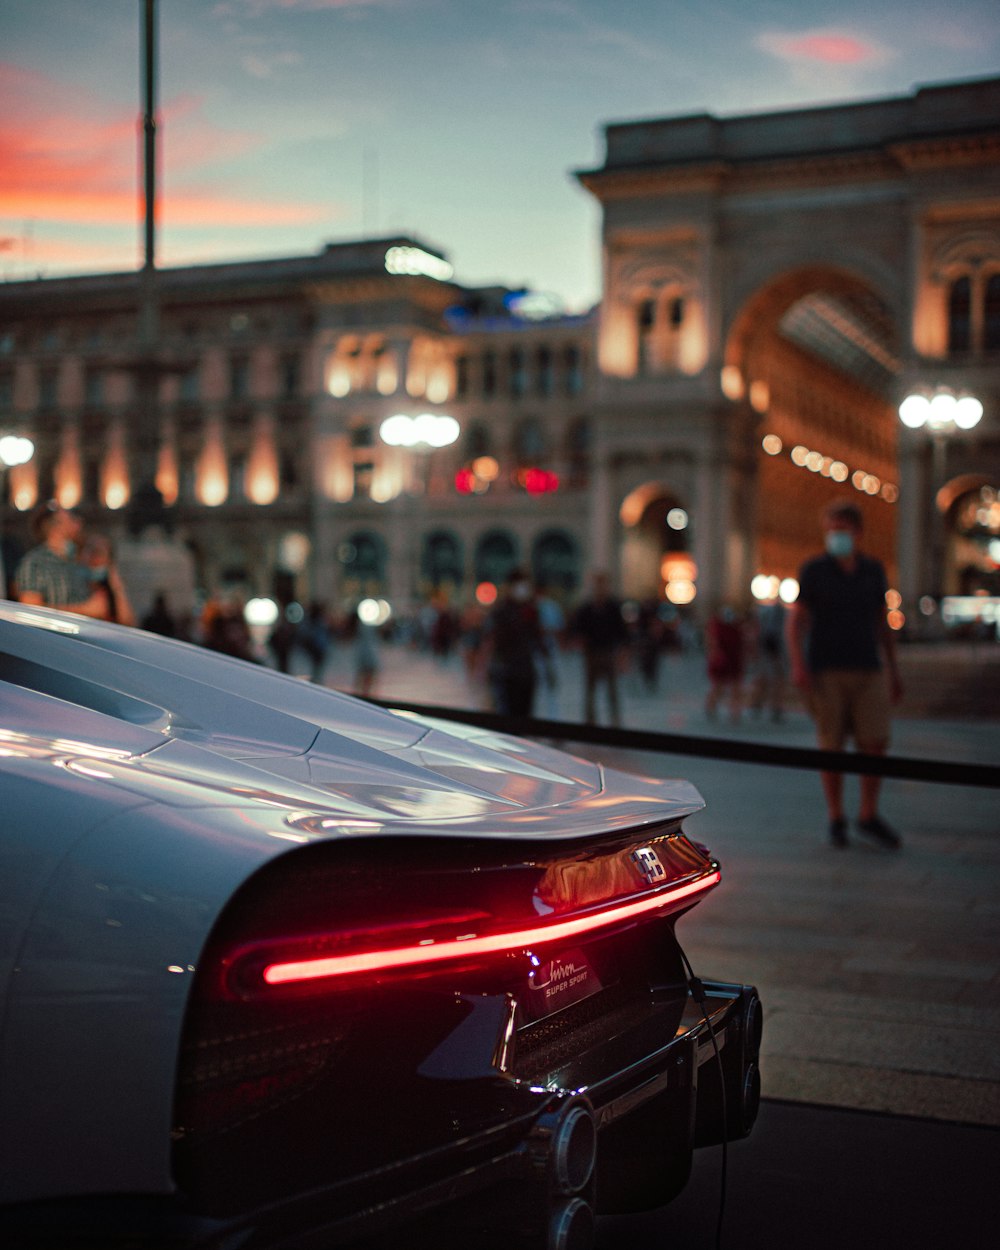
{"x":286,"y":124}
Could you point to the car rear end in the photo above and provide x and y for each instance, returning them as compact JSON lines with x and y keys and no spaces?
{"x":491,"y":1038}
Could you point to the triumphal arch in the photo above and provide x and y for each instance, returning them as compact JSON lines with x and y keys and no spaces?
{"x":774,"y":284}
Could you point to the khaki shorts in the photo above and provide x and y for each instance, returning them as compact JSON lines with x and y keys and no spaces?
{"x":850,"y":703}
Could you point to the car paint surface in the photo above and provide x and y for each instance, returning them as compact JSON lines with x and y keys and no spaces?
{"x":133,"y":811}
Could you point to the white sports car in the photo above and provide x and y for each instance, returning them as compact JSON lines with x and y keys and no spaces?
{"x":282,"y":968}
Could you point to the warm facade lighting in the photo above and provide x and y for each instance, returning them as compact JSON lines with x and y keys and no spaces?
{"x":760,"y":396}
{"x":675,"y":566}
{"x":262,"y":466}
{"x":731,"y":381}
{"x":68,"y":471}
{"x":681,"y":592}
{"x":338,"y":381}
{"x":387,"y":375}
{"x":167,"y":477}
{"x":23,"y":486}
{"x":211,"y":471}
{"x":437,"y":387}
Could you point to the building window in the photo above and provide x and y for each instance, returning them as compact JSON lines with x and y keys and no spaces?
{"x":578,"y":439}
{"x":291,"y":370}
{"x":441,"y":559}
{"x":47,"y":388}
{"x":573,"y":367}
{"x":991,"y":315}
{"x":516,"y":376}
{"x":645,"y":324}
{"x":477,"y":440}
{"x":676,"y":313}
{"x":461,"y":376}
{"x":188,"y":386}
{"x":960,"y":315}
{"x":288,"y":470}
{"x":530,"y":442}
{"x":555,"y":561}
{"x":239,"y":377}
{"x":543,"y":371}
{"x":363,"y":561}
{"x":237,"y":476}
{"x":489,"y":373}
{"x":363,"y":436}
{"x":93,"y":388}
{"x":496,"y":555}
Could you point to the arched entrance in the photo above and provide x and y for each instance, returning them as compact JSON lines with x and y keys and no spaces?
{"x":655,"y":548}
{"x":496,"y":555}
{"x":970,"y":511}
{"x":555,"y":563}
{"x":813,"y":356}
{"x":362,"y":557}
{"x":441,"y":567}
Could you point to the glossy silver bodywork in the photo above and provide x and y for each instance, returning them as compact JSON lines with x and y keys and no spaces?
{"x":142,"y":782}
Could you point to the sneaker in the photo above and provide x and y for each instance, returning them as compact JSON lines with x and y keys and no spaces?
{"x":838,"y":832}
{"x":877,"y":829}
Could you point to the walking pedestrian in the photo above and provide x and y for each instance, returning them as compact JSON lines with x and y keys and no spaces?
{"x":513,"y":640}
{"x":769,"y":660}
{"x":725,"y":648}
{"x":843,"y":658}
{"x":599,"y":627}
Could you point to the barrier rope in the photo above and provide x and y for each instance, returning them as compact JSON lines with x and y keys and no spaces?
{"x":902,"y":767}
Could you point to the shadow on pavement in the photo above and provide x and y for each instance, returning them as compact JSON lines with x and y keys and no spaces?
{"x":821,"y":1178}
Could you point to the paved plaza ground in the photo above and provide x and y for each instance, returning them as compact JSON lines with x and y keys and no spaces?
{"x":879,"y":971}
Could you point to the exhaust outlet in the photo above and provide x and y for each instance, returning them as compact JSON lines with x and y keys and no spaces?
{"x":564,"y":1143}
{"x":572,"y":1226}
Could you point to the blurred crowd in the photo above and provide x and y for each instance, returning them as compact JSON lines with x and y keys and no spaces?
{"x":511,"y":649}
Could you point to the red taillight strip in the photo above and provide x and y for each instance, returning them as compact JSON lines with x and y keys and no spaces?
{"x":461,"y":948}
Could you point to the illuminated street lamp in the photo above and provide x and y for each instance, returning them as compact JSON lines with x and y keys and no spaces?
{"x":427,"y":432}
{"x":941,"y":413}
{"x":15,"y":450}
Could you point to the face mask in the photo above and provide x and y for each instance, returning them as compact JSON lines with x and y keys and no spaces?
{"x":71,"y":550}
{"x":840,"y":543}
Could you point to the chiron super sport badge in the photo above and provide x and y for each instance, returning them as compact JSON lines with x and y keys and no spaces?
{"x":555,"y":982}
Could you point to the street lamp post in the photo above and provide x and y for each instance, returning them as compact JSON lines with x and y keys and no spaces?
{"x":422,"y":434}
{"x":941,"y":413}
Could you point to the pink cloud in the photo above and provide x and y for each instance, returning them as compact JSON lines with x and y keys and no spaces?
{"x":828,"y":47}
{"x":71,"y":158}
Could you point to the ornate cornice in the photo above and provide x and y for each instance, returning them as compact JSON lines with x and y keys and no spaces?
{"x":948,"y":152}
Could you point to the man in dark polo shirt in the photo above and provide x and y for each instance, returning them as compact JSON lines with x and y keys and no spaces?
{"x":843,"y":658}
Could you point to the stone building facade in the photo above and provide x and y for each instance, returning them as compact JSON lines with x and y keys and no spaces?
{"x":773,"y":285}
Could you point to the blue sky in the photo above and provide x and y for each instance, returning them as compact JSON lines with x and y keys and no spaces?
{"x":289,"y":123}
